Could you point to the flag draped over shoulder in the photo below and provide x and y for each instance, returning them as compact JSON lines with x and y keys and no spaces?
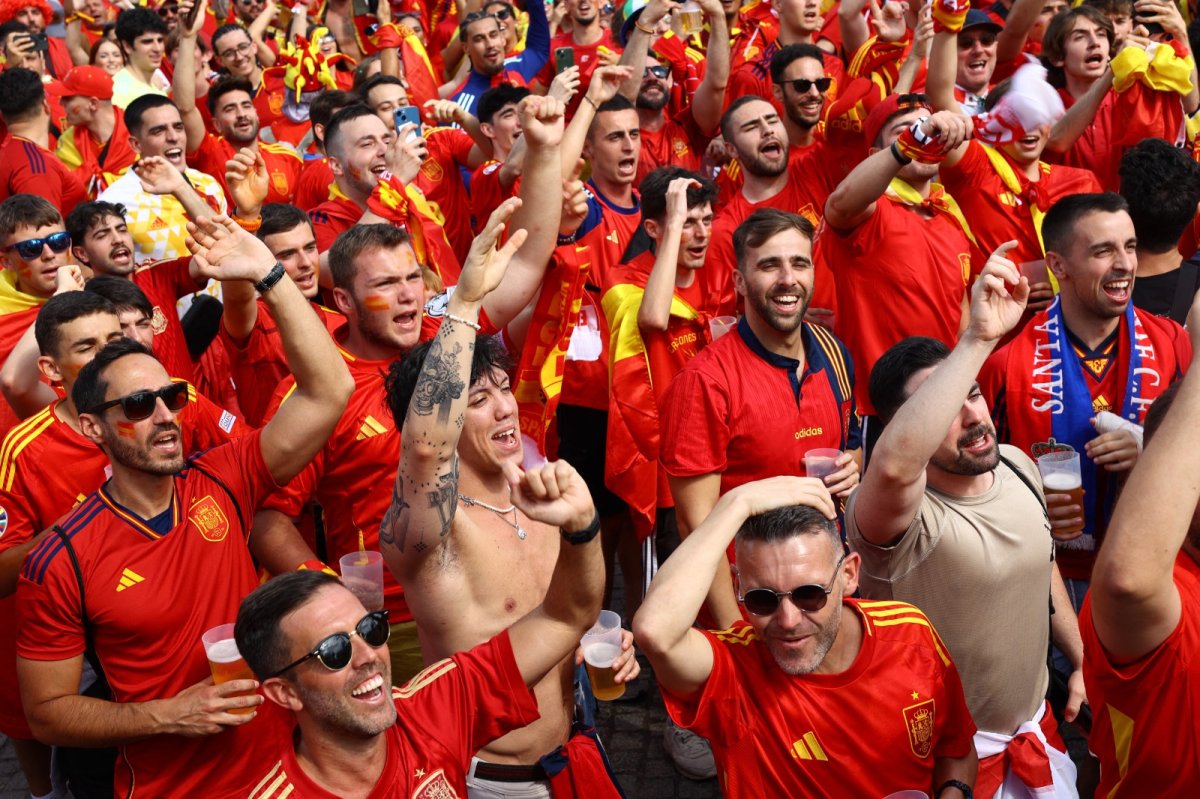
{"x":631,"y":469}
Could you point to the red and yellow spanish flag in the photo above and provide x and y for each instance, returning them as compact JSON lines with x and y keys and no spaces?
{"x":407,"y":207}
{"x":639,"y":371}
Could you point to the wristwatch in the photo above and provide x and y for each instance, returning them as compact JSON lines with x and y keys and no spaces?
{"x":962,"y":786}
{"x":270,"y":279}
{"x":582,"y":536}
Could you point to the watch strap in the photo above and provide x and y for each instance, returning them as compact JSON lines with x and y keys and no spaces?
{"x":585,"y":535}
{"x":962,"y":786}
{"x":268,"y":282}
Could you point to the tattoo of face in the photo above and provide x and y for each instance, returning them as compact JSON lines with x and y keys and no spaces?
{"x":439,"y":384}
{"x":395,"y":518}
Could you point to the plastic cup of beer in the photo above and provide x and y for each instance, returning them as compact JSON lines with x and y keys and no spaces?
{"x":1060,"y":475}
{"x":601,"y":646}
{"x":362,"y":574}
{"x":691,"y":17}
{"x":225,"y":660}
{"x":821,"y":462}
{"x":720,"y":325}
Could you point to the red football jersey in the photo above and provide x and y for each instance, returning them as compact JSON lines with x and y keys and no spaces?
{"x":1145,"y":724}
{"x":602,"y":240}
{"x":283,"y":166}
{"x":258,"y":365}
{"x":13,"y":324}
{"x":444,"y":715}
{"x":876,"y":728}
{"x":28,"y":168}
{"x":442,"y":183}
{"x":587,"y":58}
{"x":312,"y":187}
{"x":920,"y":266}
{"x":808,"y":187}
{"x":487,"y":193}
{"x":151,"y":592}
{"x":742,"y":411}
{"x":679,"y":142}
{"x":163,"y":283}
{"x":998,"y":215}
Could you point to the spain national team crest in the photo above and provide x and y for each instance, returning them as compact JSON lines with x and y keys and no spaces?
{"x":209,"y":519}
{"x":919,"y":719}
{"x":280,"y":182}
{"x":158,"y":321}
{"x":680,"y":147}
{"x":432,"y":170}
{"x":435,"y":786}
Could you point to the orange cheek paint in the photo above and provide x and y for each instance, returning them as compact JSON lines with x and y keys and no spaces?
{"x":374,"y":302}
{"x":125,"y":429}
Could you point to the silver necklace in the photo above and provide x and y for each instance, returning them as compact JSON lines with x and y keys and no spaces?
{"x":501,"y":512}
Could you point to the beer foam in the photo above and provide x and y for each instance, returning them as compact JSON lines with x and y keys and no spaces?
{"x":1060,"y":481}
{"x":601,"y":655}
{"x":224,"y":651}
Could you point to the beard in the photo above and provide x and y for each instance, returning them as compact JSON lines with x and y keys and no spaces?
{"x":338,"y":712}
{"x":969,"y":464}
{"x":761,"y":167}
{"x":653,"y":103}
{"x":795,"y":664}
{"x":137,"y":456}
{"x":783,"y":324}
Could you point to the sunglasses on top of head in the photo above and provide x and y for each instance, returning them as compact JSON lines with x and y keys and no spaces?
{"x":141,"y":404}
{"x":334,"y":651}
{"x":808,"y":598}
{"x":32,"y":248}
{"x":802,"y":85}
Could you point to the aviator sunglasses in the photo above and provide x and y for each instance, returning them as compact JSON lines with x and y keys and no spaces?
{"x":32,"y":248}
{"x":802,"y":85}
{"x":809,"y":598}
{"x":140,"y":404}
{"x":334,"y":650}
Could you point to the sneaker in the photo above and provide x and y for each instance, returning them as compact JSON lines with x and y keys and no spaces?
{"x":690,"y":753}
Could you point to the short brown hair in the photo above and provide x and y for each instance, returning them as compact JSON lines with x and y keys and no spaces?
{"x":27,"y":210}
{"x":764,"y":225}
{"x":351,"y":244}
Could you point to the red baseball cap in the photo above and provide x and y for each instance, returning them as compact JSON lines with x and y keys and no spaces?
{"x":83,"y":81}
{"x":891,"y":106}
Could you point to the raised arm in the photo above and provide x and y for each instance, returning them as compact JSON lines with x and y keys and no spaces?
{"x":424,"y":497}
{"x":258,"y":30}
{"x":681,"y":656}
{"x":539,"y":212}
{"x":556,"y":494}
{"x":1079,"y":116}
{"x":654,"y":313}
{"x":638,"y":45}
{"x":1135,"y":604}
{"x":606,"y":83}
{"x":1020,"y":20}
{"x":852,"y":23}
{"x":943,"y":70}
{"x":183,"y":80}
{"x":224,"y":251}
{"x":246,"y":177}
{"x":709,"y":100}
{"x":892,"y":487}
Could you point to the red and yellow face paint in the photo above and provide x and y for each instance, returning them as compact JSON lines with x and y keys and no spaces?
{"x":125,"y":430}
{"x":376,"y":302}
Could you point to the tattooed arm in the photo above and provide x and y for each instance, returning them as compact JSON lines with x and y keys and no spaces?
{"x":425,"y":495}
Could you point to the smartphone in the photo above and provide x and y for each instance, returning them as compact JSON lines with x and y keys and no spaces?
{"x":190,"y":17}
{"x":564,"y":57}
{"x":365,"y":8}
{"x":408,"y":115}
{"x":1152,"y":28}
{"x":41,"y":44}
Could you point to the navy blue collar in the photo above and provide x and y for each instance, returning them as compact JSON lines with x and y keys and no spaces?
{"x":814,"y":356}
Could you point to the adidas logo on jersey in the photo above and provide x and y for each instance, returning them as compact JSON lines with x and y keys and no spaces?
{"x":370,"y":427}
{"x":129,"y":578}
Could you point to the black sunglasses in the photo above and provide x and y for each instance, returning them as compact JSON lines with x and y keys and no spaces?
{"x":802,"y":85}
{"x":502,"y":14}
{"x":659,"y":72}
{"x":334,"y":650}
{"x":141,"y":404}
{"x":32,"y":248}
{"x":809,"y":598}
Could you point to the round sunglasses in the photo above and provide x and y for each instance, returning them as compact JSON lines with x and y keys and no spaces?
{"x":32,"y":248}
{"x":141,"y":404}
{"x":335,"y":650}
{"x":808,"y":598}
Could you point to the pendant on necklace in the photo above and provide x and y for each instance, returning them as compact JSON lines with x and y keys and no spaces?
{"x":521,"y":532}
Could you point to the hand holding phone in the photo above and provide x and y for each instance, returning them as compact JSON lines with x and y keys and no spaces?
{"x":408,"y":115}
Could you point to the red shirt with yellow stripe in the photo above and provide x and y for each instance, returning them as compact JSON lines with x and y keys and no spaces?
{"x":283,"y":165}
{"x":875,"y":728}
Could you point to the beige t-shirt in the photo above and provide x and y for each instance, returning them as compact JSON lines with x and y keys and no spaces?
{"x":980,"y":569}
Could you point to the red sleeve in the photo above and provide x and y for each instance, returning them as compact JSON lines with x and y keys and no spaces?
{"x":240,"y":466}
{"x":206,"y":425}
{"x":716,"y":711}
{"x":291,"y":498}
{"x":450,"y":145}
{"x":695,"y":428}
{"x":487,"y":193}
{"x":958,"y":728}
{"x":969,"y":172}
{"x":16,"y":517}
{"x":488,"y":696}
{"x":48,"y":606}
{"x":174,"y":276}
{"x":324,"y":229}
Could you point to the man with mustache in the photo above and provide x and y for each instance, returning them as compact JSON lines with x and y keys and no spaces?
{"x":948,"y":520}
{"x":1090,"y":351}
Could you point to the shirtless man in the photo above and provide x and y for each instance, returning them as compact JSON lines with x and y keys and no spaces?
{"x":472,"y":563}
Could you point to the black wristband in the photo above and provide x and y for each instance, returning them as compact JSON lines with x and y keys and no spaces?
{"x":901,"y":159}
{"x":268,"y":282}
{"x":585,"y":535}
{"x":962,"y":786}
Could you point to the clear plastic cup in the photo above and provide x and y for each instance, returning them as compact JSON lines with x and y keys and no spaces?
{"x":691,"y":17}
{"x":1061,"y":475}
{"x":362,"y":574}
{"x":225,"y":661}
{"x":720,"y":325}
{"x":821,"y":462}
{"x":601,"y":646}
